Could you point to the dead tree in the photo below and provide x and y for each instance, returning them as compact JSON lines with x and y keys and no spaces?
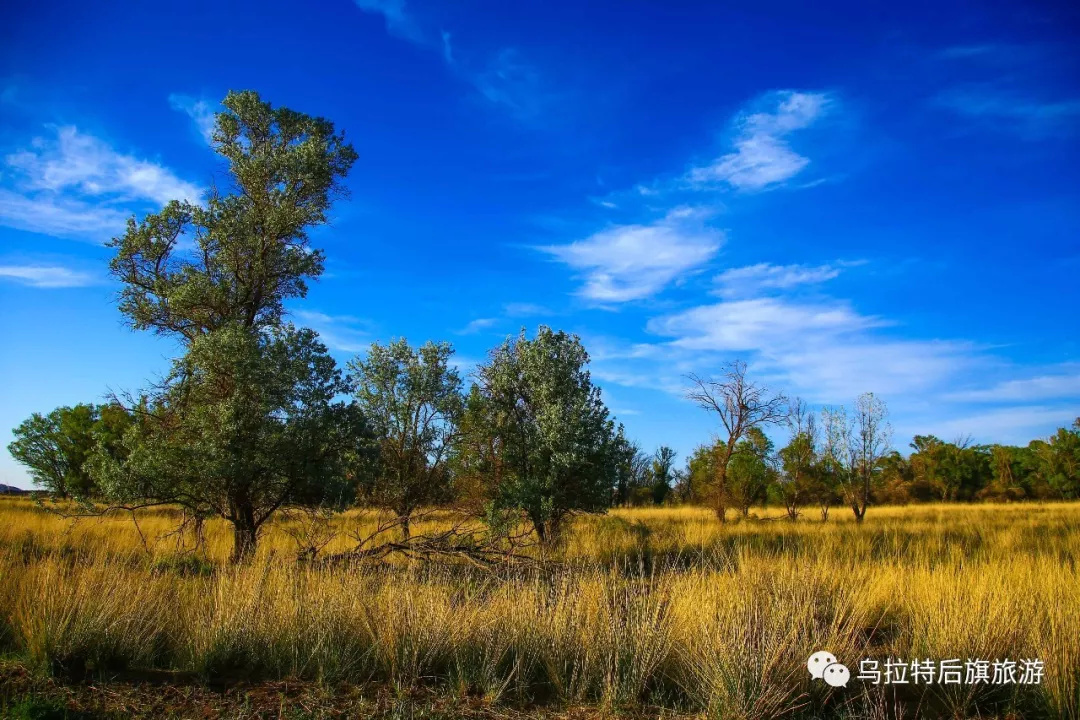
{"x":741,"y":404}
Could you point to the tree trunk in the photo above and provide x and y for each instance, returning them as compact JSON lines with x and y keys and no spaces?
{"x":721,"y":493}
{"x":245,"y":535}
{"x":405,"y":529}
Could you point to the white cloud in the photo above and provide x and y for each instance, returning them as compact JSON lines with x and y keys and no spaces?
{"x":82,"y":163}
{"x":837,"y":371}
{"x":631,"y":262}
{"x":752,"y":279}
{"x":200,"y":112}
{"x":756,"y":324}
{"x":76,"y":185}
{"x":64,"y":217}
{"x":823,"y":351}
{"x":463,"y":364}
{"x":1053,"y":386}
{"x":762,"y":158}
{"x":399,"y":22}
{"x":46,"y":276}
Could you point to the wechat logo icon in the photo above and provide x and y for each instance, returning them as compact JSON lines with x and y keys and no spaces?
{"x":823,"y":666}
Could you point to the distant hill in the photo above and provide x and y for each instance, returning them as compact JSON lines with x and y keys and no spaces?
{"x":9,"y":490}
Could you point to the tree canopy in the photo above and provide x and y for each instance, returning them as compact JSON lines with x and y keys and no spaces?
{"x":552,"y":445}
{"x":413,"y":401}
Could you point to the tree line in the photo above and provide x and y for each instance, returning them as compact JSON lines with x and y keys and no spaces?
{"x":255,"y":417}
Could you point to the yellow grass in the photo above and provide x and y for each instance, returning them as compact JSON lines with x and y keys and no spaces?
{"x":645,"y":608}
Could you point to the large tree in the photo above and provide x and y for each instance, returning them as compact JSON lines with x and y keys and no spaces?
{"x":543,"y":431}
{"x":413,"y":401}
{"x":245,"y":422}
{"x":740,"y":404}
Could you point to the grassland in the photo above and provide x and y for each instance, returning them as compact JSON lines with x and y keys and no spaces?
{"x":642,"y":612}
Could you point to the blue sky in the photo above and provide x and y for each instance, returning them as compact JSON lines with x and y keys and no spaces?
{"x":852,"y":197}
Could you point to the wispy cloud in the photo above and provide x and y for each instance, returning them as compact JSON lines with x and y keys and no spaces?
{"x":1060,"y":384}
{"x":1011,"y":88}
{"x":524,"y":309}
{"x":631,"y":262}
{"x":510,"y":82}
{"x":478,"y":325}
{"x":59,"y":216}
{"x":753,"y":279}
{"x":1011,"y":425}
{"x":1013,"y":110}
{"x":200,"y":111}
{"x":46,"y":276}
{"x":399,"y":22}
{"x":757,"y":324}
{"x":78,"y":162}
{"x":761,"y":157}
{"x":339,"y":332}
{"x":75,"y":185}
{"x":504,"y":79}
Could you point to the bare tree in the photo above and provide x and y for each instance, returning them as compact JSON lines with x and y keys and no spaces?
{"x":741,"y":405}
{"x":798,"y":459}
{"x":857,"y":447}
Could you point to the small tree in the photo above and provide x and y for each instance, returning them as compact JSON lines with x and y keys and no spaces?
{"x":798,"y":460}
{"x":750,"y":471}
{"x":740,"y":404}
{"x":57,"y":447}
{"x":663,"y":473}
{"x":547,"y":439}
{"x":835,"y":463}
{"x":855,"y":449}
{"x":634,"y":473}
{"x":412,"y":399}
{"x":699,"y":475}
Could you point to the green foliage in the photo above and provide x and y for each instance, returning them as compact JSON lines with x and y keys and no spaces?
{"x":412,"y":399}
{"x":245,"y":424}
{"x":57,"y":447}
{"x":1059,"y":461}
{"x":663,"y":473}
{"x":251,"y":246}
{"x":750,"y":471}
{"x":543,"y":432}
{"x":700,"y":472}
{"x":631,"y":468}
{"x":799,"y":479}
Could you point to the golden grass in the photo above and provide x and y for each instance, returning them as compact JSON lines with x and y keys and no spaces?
{"x":654,"y":608}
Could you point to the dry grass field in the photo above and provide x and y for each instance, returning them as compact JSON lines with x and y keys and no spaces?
{"x":642,"y":611}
